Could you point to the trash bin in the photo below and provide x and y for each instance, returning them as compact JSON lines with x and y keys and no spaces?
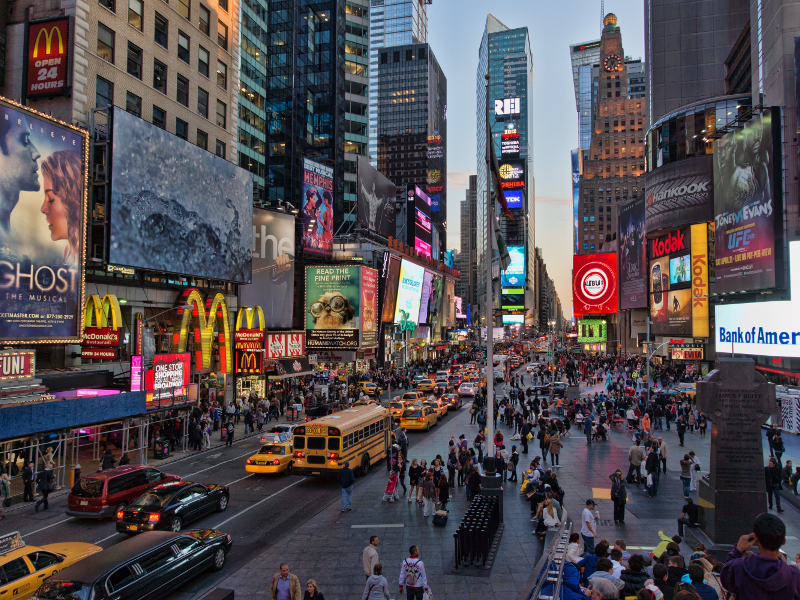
{"x":161,"y":448}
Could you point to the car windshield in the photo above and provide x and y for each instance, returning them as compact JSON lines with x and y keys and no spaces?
{"x":412,"y":414}
{"x":272,"y":449}
{"x":64,"y":590}
{"x":88,"y":487}
{"x":155,"y":497}
{"x":396,"y":405}
{"x":432,"y":404}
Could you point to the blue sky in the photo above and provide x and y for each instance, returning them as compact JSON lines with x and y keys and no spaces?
{"x":455,"y":28}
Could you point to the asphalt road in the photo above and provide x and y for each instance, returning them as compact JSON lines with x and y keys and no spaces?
{"x":262,"y":508}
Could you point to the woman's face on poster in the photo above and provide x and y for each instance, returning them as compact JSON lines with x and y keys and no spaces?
{"x":55,"y":212}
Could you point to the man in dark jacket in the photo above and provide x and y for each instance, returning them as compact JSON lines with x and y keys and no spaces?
{"x":46,"y":483}
{"x":677,"y":570}
{"x":772,"y":480}
{"x":229,"y":432}
{"x":347,"y":479}
{"x":660,"y":574}
{"x":523,"y":436}
{"x":27,"y":479}
{"x":697,"y":576}
{"x":680,"y":425}
{"x":651,"y":466}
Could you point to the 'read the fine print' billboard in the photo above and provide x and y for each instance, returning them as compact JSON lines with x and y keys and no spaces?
{"x":43,"y":178}
{"x":317,"y":208}
{"x":594,"y":284}
{"x":747,"y":204}
{"x":175,"y":207}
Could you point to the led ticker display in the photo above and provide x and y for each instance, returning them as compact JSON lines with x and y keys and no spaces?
{"x":423,"y":235}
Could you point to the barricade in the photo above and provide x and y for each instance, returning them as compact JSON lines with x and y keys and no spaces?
{"x":475,"y":535}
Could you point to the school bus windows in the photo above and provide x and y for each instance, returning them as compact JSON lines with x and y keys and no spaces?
{"x":299,"y":443}
{"x":372,"y":429}
{"x":316,"y":443}
{"x":333,"y":443}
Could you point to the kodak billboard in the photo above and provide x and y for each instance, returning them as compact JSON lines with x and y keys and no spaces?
{"x":48,"y":53}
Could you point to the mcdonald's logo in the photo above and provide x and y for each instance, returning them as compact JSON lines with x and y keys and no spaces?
{"x":248,"y":362}
{"x":55,"y":30}
{"x":216,"y":326}
{"x":102,"y":310}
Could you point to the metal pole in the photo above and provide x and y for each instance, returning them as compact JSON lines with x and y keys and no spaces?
{"x":489,"y":303}
{"x":647,"y":364}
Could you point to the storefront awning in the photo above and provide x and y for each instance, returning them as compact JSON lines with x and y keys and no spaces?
{"x":290,"y":367}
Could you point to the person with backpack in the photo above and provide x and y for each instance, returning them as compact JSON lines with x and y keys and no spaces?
{"x":412,"y":575}
{"x":229,"y":432}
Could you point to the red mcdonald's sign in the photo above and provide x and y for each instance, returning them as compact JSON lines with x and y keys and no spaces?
{"x":47,"y":55}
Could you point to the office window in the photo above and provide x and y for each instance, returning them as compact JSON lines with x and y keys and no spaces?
{"x":133,"y":104}
{"x":109,"y":4}
{"x":220,"y":149}
{"x":104,"y":93}
{"x":182,"y":129}
{"x":134,"y":60}
{"x":202,"y":139}
{"x":396,"y":56}
{"x":105,"y":43}
{"x":222,"y":114}
{"x":223,"y":4}
{"x":202,"y":61}
{"x":202,"y":102}
{"x":421,"y":54}
{"x":222,"y":35}
{"x":160,"y":76}
{"x":222,"y":75}
{"x":183,"y":46}
{"x":161,"y":30}
{"x":159,"y":117}
{"x":204,"y":20}
{"x":384,"y":58}
{"x":183,"y":90}
{"x":184,"y":8}
{"x":135,"y":13}
{"x":409,"y":55}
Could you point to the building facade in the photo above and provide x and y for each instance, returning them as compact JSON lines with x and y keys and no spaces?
{"x":469,"y":241}
{"x":584,"y":56}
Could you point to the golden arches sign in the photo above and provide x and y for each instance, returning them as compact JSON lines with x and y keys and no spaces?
{"x":202,"y":318}
{"x":249,"y":314}
{"x":48,"y":41}
{"x":102,"y":310}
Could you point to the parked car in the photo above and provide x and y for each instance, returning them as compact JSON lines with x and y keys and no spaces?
{"x":284,"y":428}
{"x":101,"y":495}
{"x":147,"y":567}
{"x":171,"y":506}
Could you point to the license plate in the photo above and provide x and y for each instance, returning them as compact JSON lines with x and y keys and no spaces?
{"x":84,"y":503}
{"x":260,"y":462}
{"x":132,"y":527}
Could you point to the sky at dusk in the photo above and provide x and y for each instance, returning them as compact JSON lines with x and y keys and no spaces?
{"x":455,"y":28}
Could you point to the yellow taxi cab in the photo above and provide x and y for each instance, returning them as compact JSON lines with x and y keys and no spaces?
{"x":439,"y":406}
{"x":275,"y":456}
{"x":24,"y":568}
{"x":412,"y":397}
{"x":419,"y":417}
{"x":369,"y":388}
{"x":365,"y":402}
{"x":426,"y":385}
{"x":396,"y":408}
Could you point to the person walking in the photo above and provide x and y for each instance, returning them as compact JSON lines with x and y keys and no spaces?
{"x":588,"y":527}
{"x":778,"y":447}
{"x":421,"y":487}
{"x":452,"y":463}
{"x":369,"y":556}
{"x":588,"y":426}
{"x":544,"y":440}
{"x":772,"y":479}
{"x":473,"y":483}
{"x":229,"y":433}
{"x":651,"y":466}
{"x":28,"y":477}
{"x":702,"y":423}
{"x":523,"y":435}
{"x":412,"y":576}
{"x":428,"y":493}
{"x":513,"y":461}
{"x":46,"y":484}
{"x":686,"y":474}
{"x":662,"y":454}
{"x":635,"y":458}
{"x":414,"y":472}
{"x":680,"y":426}
{"x":444,"y":492}
{"x":312,"y":591}
{"x":346,"y":480}
{"x":619,"y":495}
{"x":555,"y":448}
{"x":107,"y":460}
{"x":376,"y":588}
{"x":285,"y":586}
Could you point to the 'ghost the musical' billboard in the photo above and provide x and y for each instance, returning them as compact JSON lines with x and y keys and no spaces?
{"x":42,"y":226}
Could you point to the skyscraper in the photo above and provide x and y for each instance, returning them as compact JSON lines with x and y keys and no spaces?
{"x":391,"y":23}
{"x":615,"y":164}
{"x":469,"y":240}
{"x":505,"y":55}
{"x":584,"y":56}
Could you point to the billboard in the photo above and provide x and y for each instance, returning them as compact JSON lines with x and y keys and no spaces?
{"x":317,"y":208}
{"x":376,"y":200}
{"x":272,"y":283}
{"x":632,"y":255}
{"x":513,"y":319}
{"x":507,"y":106}
{"x":592,"y":331}
{"x":679,"y":270}
{"x":763,"y":328}
{"x":391,"y":264}
{"x":169,"y":374}
{"x":336,"y":313}
{"x":594,"y":283}
{"x":745,"y":205}
{"x":514,"y":275}
{"x":423,"y":237}
{"x":175,"y":207}
{"x":282,"y":344}
{"x":425,"y":298}
{"x":409,"y":291}
{"x":43,"y":177}
{"x":512,"y":174}
{"x":576,"y":179}
{"x":459,"y":302}
{"x":513,"y":198}
{"x":47,"y":60}
{"x":679,"y":193}
{"x":450,"y":308}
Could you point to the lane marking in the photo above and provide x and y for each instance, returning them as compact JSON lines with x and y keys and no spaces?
{"x":107,"y":538}
{"x":49,"y":526}
{"x":257,"y":503}
{"x":238,"y":480}
{"x":387,"y":525}
{"x":219,"y":463}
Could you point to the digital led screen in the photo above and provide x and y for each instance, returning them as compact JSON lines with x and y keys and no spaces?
{"x":391,"y":279}
{"x":334,"y":307}
{"x":632,"y":254}
{"x":425,"y":299}
{"x":423,"y":237}
{"x":592,"y":330}
{"x":513,"y":198}
{"x":409,"y":291}
{"x":513,"y":301}
{"x":376,"y":200}
{"x":512,"y":319}
{"x":679,"y":271}
{"x":594,"y":285}
{"x":317,"y":208}
{"x":514,"y":275}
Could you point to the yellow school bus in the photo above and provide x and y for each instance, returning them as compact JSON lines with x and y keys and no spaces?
{"x":360,"y":435}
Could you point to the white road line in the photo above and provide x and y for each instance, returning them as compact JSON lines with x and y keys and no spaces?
{"x":107,"y":538}
{"x":238,"y":480}
{"x":231,"y":518}
{"x":400,"y":525}
{"x":48,"y":527}
{"x":217,"y":464}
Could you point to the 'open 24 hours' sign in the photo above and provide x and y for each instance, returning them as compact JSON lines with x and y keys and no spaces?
{"x":47,"y":58}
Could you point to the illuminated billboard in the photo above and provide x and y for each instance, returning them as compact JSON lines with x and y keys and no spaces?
{"x":513,"y":198}
{"x":514,"y":275}
{"x":513,"y":319}
{"x":592,"y":331}
{"x":409,"y":291}
{"x":423,"y":237}
{"x":679,"y":193}
{"x":317,"y":208}
{"x":594,"y":283}
{"x":576,"y":178}
{"x":42,"y":226}
{"x":175,"y":207}
{"x":512,"y":174}
{"x":632,"y":255}
{"x":747,"y":199}
{"x":47,"y":61}
{"x":507,"y":107}
{"x":376,"y":200}
{"x":425,"y":299}
{"x":391,"y":265}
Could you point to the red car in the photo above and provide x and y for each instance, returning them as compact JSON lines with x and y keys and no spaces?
{"x":101,"y":495}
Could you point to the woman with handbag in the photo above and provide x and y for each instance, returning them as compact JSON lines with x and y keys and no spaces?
{"x":619,"y":495}
{"x":512,"y":464}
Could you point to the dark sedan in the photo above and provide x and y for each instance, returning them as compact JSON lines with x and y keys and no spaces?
{"x":171,"y":506}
